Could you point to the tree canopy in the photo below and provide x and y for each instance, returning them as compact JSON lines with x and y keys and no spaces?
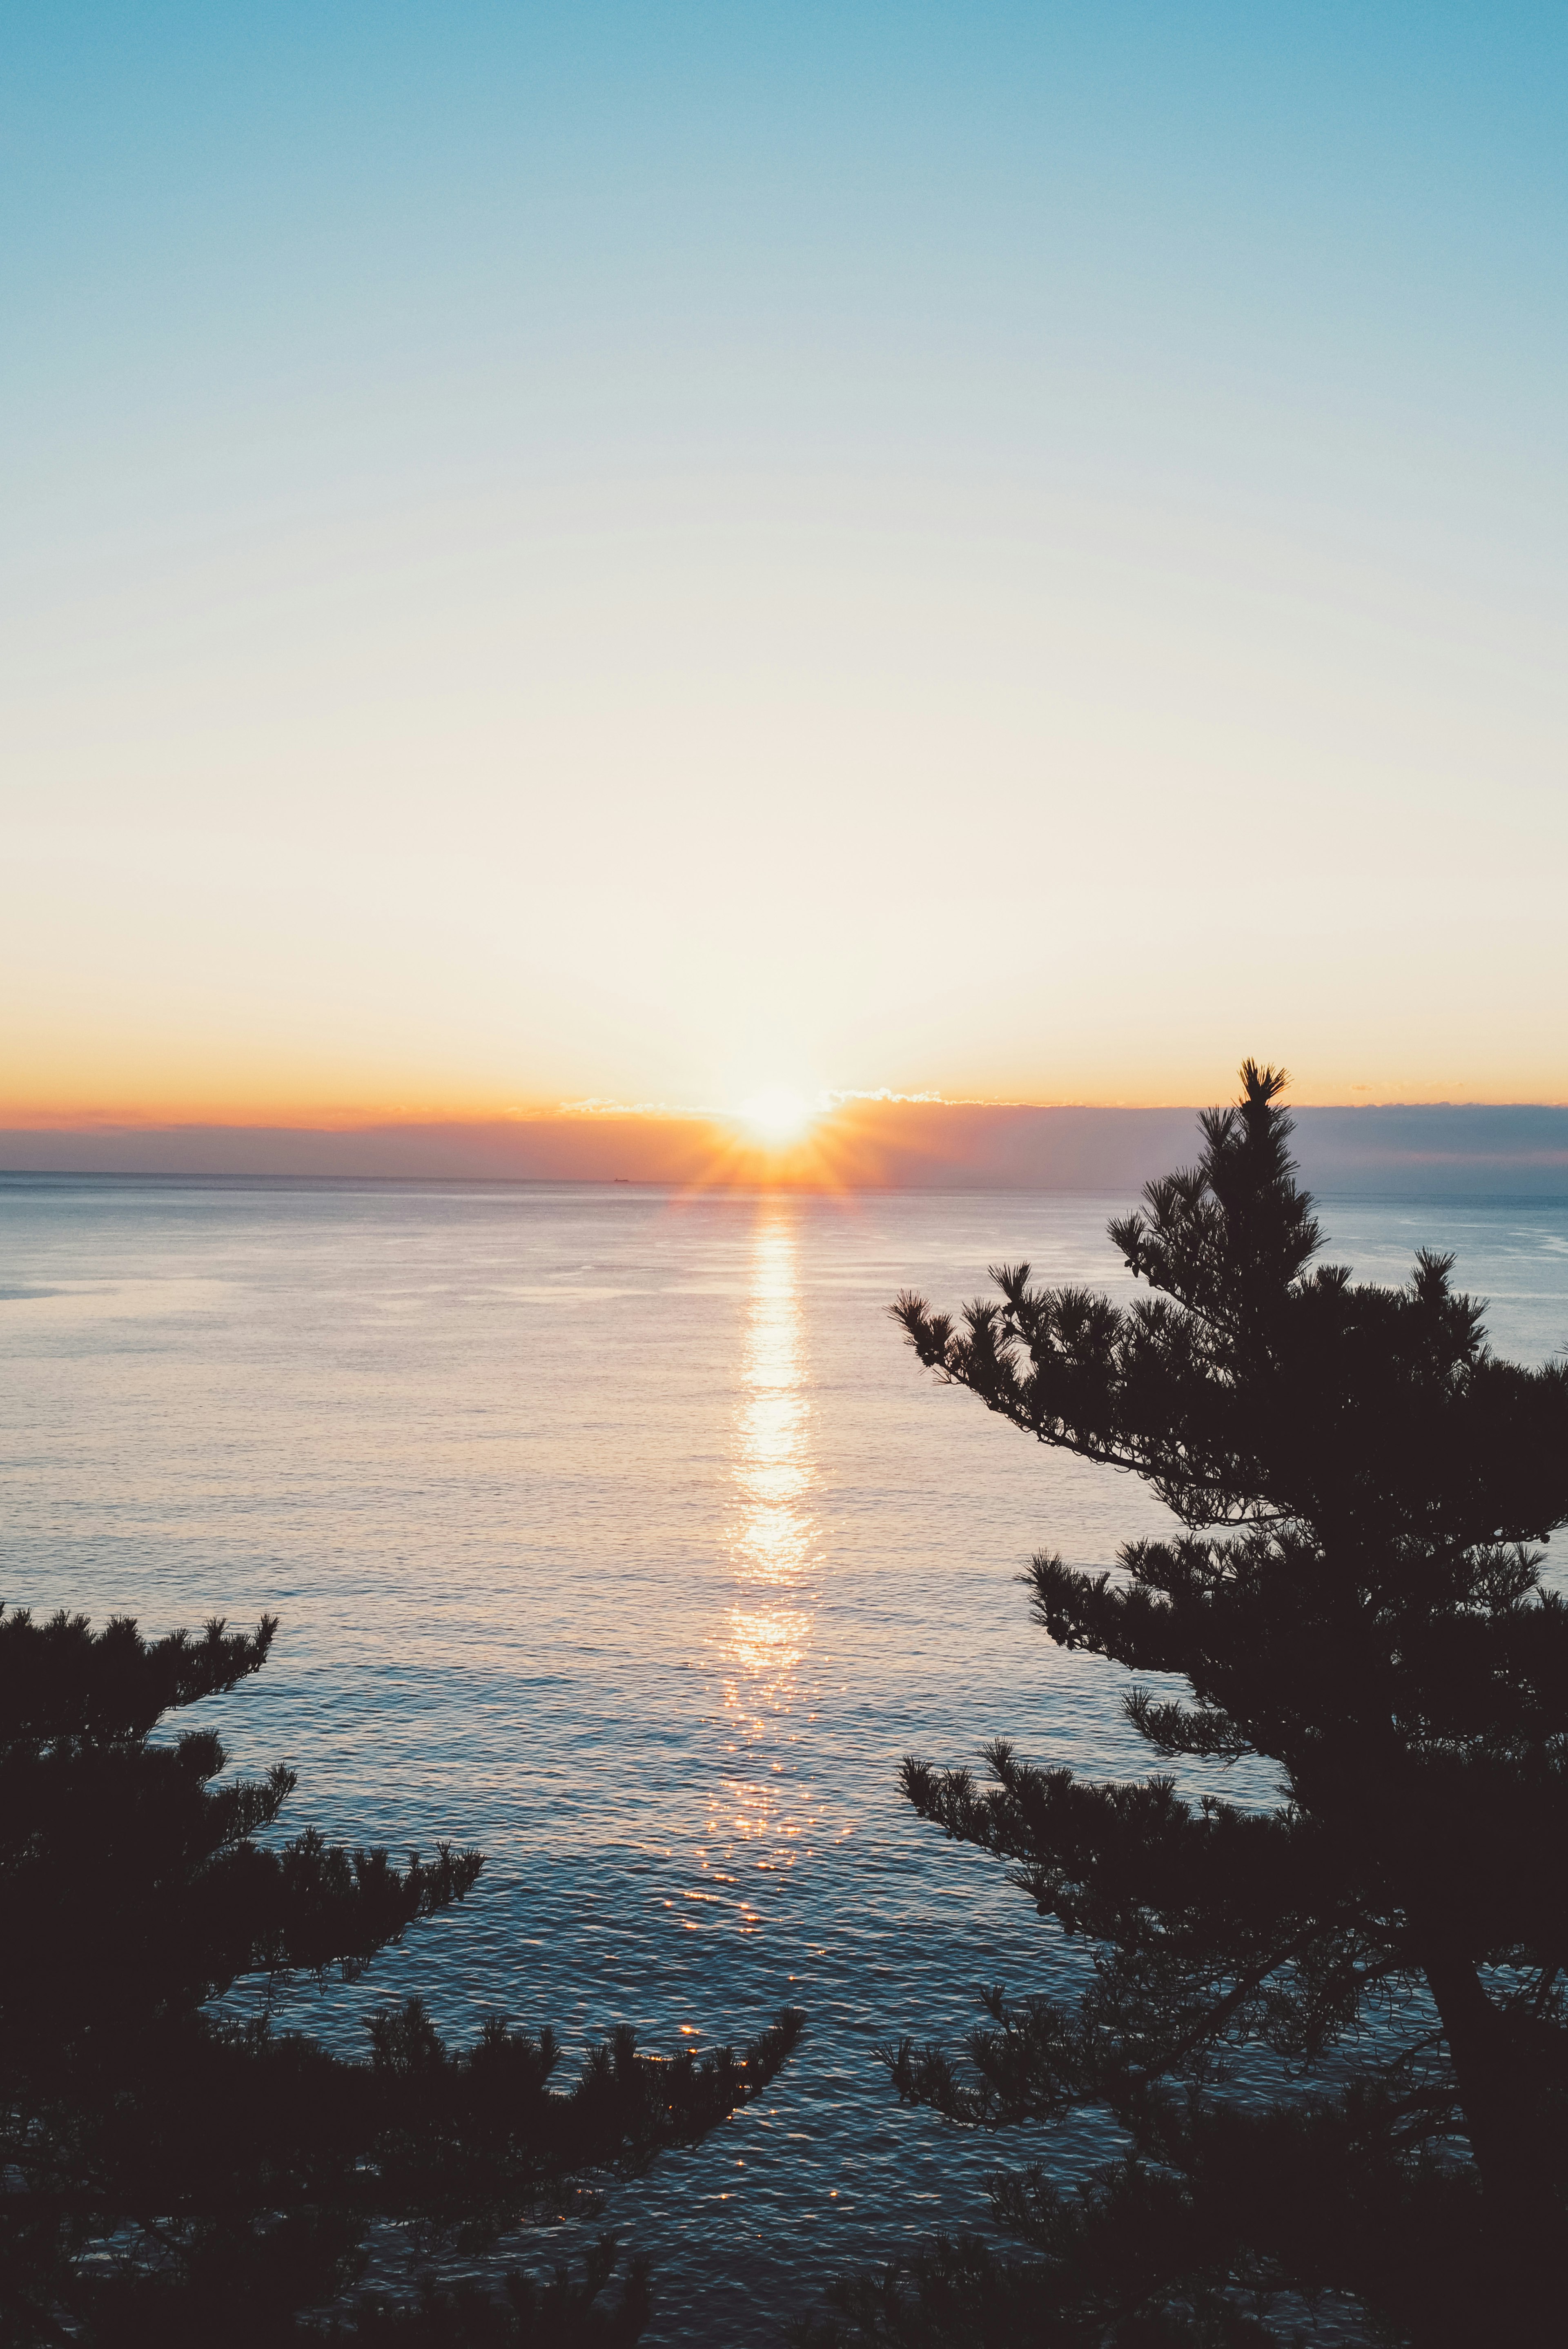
{"x":179,"y":2176}
{"x":1331,"y":2028}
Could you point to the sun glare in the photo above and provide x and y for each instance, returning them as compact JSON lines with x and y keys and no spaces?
{"x":777,"y":1114}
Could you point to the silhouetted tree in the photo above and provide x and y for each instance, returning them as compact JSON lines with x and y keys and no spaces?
{"x":178,"y":2178}
{"x":1356,"y":1476}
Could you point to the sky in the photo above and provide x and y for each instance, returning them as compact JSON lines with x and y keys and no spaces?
{"x":640,"y":555}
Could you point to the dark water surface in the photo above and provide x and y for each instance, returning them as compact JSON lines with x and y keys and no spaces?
{"x":619,"y":1534}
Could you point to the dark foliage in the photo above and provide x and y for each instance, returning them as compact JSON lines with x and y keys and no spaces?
{"x":178,"y":2178}
{"x":1368,"y":1618}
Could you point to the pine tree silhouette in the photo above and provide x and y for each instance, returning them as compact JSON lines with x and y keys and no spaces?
{"x":1351,"y":1598}
{"x":176,"y":2179}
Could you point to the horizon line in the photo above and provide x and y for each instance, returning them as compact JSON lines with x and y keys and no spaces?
{"x":597,"y":1113}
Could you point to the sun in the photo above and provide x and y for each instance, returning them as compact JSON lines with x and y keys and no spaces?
{"x":777,"y":1114}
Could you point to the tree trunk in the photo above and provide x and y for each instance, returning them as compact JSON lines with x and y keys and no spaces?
{"x":1525,"y":2290}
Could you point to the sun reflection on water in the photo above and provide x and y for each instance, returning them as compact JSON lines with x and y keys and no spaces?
{"x":756,"y":1813}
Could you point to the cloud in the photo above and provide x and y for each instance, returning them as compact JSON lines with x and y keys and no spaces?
{"x":882,"y":1141}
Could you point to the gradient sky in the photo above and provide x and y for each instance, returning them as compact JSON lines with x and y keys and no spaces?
{"x":640,"y":551}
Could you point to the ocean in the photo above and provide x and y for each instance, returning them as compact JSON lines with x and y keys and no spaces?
{"x":619,"y":1534}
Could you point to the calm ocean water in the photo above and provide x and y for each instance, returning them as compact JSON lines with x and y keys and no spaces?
{"x":619,"y":1534}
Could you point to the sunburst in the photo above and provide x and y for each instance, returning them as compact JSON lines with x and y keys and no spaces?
{"x":777,"y":1115}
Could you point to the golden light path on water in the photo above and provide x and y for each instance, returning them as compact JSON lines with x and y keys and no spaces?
{"x":774,"y":1544}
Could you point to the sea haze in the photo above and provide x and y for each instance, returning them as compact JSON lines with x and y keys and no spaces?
{"x":619,"y":1534}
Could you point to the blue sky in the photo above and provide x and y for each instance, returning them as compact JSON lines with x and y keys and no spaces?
{"x":642,"y":552}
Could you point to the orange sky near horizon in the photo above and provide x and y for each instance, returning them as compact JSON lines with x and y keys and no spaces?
{"x":283,"y":1105}
{"x":851,"y":1148}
